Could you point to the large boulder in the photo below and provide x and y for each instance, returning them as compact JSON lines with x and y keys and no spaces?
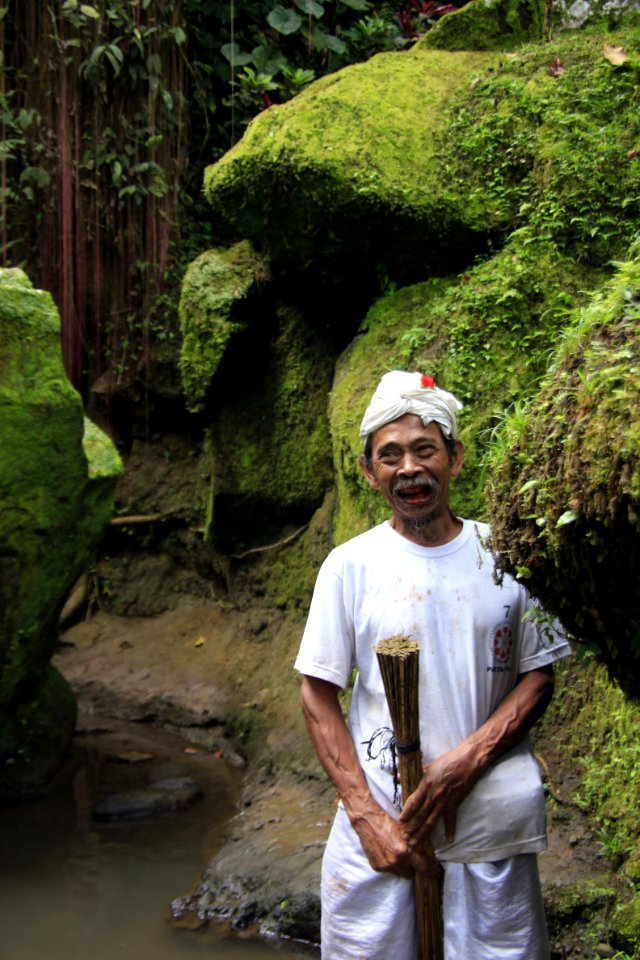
{"x":411,"y":164}
{"x":341,"y":179}
{"x":565,"y":480}
{"x":57,"y":473}
{"x":486,"y":336}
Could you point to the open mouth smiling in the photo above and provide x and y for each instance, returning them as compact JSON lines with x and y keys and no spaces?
{"x":414,"y":493}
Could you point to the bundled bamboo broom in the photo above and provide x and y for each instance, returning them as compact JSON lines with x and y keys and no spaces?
{"x":399,"y":658}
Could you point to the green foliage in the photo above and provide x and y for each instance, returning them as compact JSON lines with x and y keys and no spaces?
{"x":565,"y":487}
{"x":107,"y":112}
{"x":254,"y":54}
{"x":556,"y":157}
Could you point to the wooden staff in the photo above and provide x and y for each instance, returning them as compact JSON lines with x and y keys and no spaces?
{"x":399,"y":664}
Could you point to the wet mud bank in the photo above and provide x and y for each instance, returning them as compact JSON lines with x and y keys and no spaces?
{"x":168,"y":673}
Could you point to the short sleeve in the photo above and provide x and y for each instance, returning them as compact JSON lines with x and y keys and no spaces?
{"x":543,"y":639}
{"x":327,"y":646}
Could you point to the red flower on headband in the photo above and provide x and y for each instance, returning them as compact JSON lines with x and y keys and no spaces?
{"x":427,"y":381}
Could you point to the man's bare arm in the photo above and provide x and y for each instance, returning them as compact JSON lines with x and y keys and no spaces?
{"x":449,"y":778}
{"x":380,"y":835}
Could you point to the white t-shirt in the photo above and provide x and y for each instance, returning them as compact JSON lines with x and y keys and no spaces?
{"x":473,"y":646}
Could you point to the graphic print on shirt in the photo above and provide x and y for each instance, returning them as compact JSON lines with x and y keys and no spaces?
{"x":500,"y":647}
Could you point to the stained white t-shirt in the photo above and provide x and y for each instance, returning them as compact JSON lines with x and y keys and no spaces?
{"x":473,"y":645}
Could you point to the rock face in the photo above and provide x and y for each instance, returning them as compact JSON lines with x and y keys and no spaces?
{"x":503,"y":185}
{"x":57,"y":472}
{"x":566,"y":483}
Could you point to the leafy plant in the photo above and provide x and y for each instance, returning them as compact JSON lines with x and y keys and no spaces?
{"x":109,"y":111}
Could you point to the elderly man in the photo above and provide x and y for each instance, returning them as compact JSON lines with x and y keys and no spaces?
{"x":485,"y":678}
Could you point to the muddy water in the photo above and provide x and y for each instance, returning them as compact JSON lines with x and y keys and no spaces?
{"x":75,"y":889}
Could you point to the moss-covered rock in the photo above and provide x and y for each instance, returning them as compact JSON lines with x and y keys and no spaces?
{"x":57,"y":473}
{"x":488,"y":25}
{"x":545,"y":141}
{"x":411,"y":163}
{"x":626,"y":925}
{"x":565,"y":482}
{"x":485,"y":335}
{"x":270,"y":449}
{"x":340,"y":179}
{"x":213,"y":306}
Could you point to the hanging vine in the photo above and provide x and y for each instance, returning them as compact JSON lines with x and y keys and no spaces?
{"x":94,"y":148}
{"x":108,"y":112}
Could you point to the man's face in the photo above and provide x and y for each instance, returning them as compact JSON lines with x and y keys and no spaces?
{"x":412,"y":468}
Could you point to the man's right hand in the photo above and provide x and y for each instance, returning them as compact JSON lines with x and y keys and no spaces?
{"x":380,"y":835}
{"x":387,"y":850}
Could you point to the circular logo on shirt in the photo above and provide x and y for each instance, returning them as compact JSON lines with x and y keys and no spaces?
{"x":500,"y":646}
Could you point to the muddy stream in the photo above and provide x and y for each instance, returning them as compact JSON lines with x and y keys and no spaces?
{"x":76,"y":888}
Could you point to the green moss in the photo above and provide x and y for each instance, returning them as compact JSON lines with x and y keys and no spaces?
{"x":582,"y":900}
{"x":356,"y":147}
{"x":485,"y":335}
{"x":566,"y":477}
{"x":214,"y":292}
{"x":272,"y":451}
{"x":53,"y":510}
{"x":550,"y":151}
{"x":626,"y":924}
{"x":103,"y":460}
{"x":244,"y":725}
{"x":499,"y":25}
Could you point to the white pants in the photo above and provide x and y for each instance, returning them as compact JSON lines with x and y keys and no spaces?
{"x":492,"y":911}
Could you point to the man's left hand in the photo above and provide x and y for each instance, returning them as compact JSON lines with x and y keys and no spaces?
{"x":449,"y":778}
{"x":444,"y":785}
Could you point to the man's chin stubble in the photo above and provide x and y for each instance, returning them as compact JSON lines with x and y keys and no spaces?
{"x":418,"y":525}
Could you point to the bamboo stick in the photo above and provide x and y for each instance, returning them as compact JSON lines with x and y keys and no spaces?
{"x":398,"y":658}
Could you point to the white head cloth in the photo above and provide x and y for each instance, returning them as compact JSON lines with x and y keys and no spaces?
{"x":400,"y":392}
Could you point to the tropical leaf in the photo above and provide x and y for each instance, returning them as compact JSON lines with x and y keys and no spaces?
{"x":310,"y":7}
{"x":284,"y":21}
